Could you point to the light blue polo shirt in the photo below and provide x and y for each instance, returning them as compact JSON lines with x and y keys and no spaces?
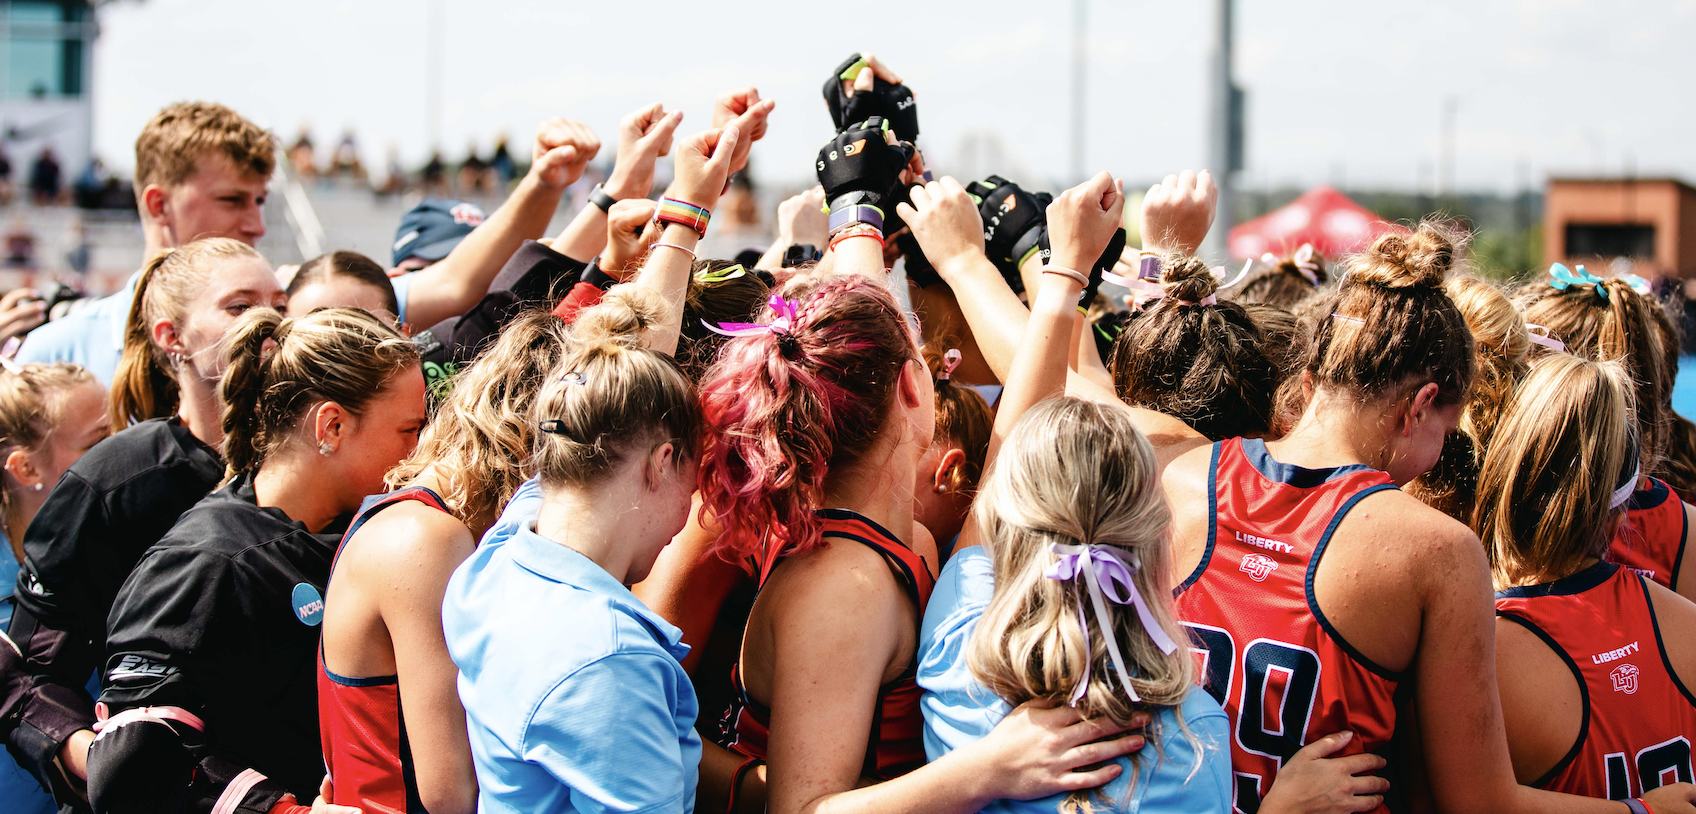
{"x":958,"y":710}
{"x":573,"y":693}
{"x":520,"y":512}
{"x":402,"y":285}
{"x":92,"y":337}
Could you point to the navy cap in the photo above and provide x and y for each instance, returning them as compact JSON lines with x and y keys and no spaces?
{"x":432,"y":228}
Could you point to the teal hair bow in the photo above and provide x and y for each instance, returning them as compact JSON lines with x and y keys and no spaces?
{"x":1563,"y":277}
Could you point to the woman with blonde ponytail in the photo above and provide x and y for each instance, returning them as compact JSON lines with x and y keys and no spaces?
{"x":209,"y":696}
{"x":119,"y":499}
{"x":1594,"y":659}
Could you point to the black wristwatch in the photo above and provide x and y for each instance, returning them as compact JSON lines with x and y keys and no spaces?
{"x":599,"y":197}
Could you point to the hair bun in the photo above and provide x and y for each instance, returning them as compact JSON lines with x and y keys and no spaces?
{"x":1186,"y":278}
{"x":621,"y":318}
{"x":1422,"y":258}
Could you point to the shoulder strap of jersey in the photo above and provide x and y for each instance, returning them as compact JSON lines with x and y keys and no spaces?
{"x":421,"y":494}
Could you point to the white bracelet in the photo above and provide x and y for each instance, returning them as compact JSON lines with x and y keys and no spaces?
{"x":661,"y":244}
{"x":1069,"y":274}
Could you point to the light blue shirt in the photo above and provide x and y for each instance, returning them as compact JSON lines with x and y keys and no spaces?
{"x":93,"y":336}
{"x":573,"y":693}
{"x":958,"y":710}
{"x":520,"y":513}
{"x":402,"y":284}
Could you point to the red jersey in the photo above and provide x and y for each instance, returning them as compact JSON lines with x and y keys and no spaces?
{"x":364,"y":737}
{"x":1639,"y":719}
{"x":1269,"y":656}
{"x":1650,"y":540}
{"x":897,"y":743}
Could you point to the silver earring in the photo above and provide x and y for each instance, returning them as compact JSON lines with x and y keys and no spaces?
{"x":325,"y":449}
{"x":38,"y":487}
{"x":176,"y":359}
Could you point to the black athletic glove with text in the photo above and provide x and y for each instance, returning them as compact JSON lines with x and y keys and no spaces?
{"x":859,"y":167}
{"x":891,"y":102}
{"x":1015,"y":223}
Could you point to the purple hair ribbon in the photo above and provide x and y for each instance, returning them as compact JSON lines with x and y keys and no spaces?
{"x":950,"y":360}
{"x":785,"y":320}
{"x":1108,"y":577}
{"x":1148,"y":273}
{"x":1541,"y":336}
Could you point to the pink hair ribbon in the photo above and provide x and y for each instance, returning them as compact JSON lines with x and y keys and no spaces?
{"x":1541,"y":336}
{"x":1107,"y":575}
{"x":1148,"y":276}
{"x":785,"y":320}
{"x":950,"y":360}
{"x":1303,"y":260}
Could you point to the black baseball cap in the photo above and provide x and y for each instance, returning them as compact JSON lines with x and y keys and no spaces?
{"x":432,"y":228}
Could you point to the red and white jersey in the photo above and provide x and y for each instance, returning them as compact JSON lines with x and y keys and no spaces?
{"x":1650,"y":539}
{"x":1639,"y":719}
{"x":1269,"y":655}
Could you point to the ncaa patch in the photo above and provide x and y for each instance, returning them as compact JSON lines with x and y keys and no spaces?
{"x":308,"y":604}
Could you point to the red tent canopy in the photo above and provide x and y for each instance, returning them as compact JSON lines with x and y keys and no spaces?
{"x":1328,"y":219}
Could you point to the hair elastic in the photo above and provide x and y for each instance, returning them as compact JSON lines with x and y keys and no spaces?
{"x":1075,"y":276}
{"x":1104,"y":565}
{"x":950,"y":360}
{"x":1541,"y":336}
{"x":1624,"y":491}
{"x":721,"y":275}
{"x":660,"y":244}
{"x":574,"y":377}
{"x":854,"y":230}
{"x":1562,"y":278}
{"x":683,"y":213}
{"x":782,"y":324}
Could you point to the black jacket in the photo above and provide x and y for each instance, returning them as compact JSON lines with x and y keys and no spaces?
{"x":116,"y":501}
{"x":220,"y":619}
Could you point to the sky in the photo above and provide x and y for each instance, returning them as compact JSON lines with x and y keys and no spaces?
{"x":1339,"y":91}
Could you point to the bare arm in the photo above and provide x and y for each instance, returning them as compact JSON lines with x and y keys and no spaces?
{"x":1685,"y":583}
{"x":423,"y":551}
{"x":449,"y":288}
{"x":643,"y":136}
{"x":703,"y":164}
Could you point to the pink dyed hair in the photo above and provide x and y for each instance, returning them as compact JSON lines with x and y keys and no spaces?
{"x":781,"y":410}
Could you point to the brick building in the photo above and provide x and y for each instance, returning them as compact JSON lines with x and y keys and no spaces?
{"x":1651,"y":221}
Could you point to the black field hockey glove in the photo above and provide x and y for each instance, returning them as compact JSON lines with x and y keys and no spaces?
{"x":859,"y":168}
{"x":892,"y":102}
{"x":1015,"y":224}
{"x":1115,"y":248}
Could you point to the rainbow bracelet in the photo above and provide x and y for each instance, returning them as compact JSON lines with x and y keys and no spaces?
{"x":682,"y":213}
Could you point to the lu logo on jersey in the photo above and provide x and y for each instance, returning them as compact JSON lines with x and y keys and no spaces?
{"x":1258,"y":566}
{"x":307,"y":604}
{"x":1625,"y":678}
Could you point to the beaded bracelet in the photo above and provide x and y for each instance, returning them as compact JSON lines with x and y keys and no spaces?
{"x":857,"y":230}
{"x":682,"y":213}
{"x":1074,"y":276}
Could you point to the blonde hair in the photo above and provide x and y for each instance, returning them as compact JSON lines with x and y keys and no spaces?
{"x":29,"y":409}
{"x":344,"y":355}
{"x":144,"y":385}
{"x":176,"y":137}
{"x":1500,"y":345}
{"x":609,"y":396}
{"x":483,"y":432}
{"x":1074,"y":472}
{"x":1610,"y":321}
{"x":1564,"y":445}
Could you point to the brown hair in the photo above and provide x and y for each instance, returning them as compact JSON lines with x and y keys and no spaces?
{"x":1075,"y":472}
{"x":1544,"y":492}
{"x":343,"y":355}
{"x":1678,"y":461}
{"x":713,"y":298}
{"x":609,"y":396}
{"x":1285,"y":339}
{"x":963,"y":417}
{"x":485,"y":431}
{"x":1390,"y":326}
{"x":1206,"y":365}
{"x":354,"y":266}
{"x":144,"y":385}
{"x":1500,"y":345}
{"x":176,"y":137}
{"x":1282,"y":283}
{"x":29,"y":406}
{"x":783,"y":409}
{"x":1611,"y":321}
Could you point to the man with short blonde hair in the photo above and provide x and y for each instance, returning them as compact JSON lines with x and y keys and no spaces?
{"x":201,"y":170}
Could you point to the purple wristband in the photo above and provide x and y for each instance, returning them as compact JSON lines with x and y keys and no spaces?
{"x":858,"y":213}
{"x":1635,"y":805}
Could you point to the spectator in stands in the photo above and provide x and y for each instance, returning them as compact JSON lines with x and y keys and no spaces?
{"x":200,"y":171}
{"x":44,"y":178}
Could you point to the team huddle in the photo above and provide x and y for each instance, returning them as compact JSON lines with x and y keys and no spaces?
{"x":904,"y":515}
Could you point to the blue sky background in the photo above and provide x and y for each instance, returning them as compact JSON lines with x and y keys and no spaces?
{"x":1338,"y":91}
